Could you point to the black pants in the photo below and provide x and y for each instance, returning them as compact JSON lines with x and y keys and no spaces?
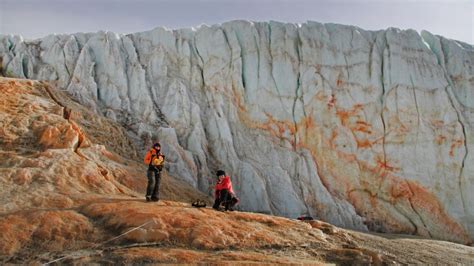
{"x":226,"y":198}
{"x":153,"y":188}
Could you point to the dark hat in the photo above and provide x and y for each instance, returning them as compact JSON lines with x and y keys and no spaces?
{"x":156,"y":145}
{"x":220,"y":172}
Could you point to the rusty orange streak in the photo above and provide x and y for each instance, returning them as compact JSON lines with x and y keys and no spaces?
{"x":364,"y":143}
{"x":385,"y":166}
{"x":456,"y":144}
{"x":440,"y":139}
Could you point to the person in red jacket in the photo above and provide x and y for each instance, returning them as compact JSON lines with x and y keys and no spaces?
{"x":155,"y":161}
{"x":224,"y":194}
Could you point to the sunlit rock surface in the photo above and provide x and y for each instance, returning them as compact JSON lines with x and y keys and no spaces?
{"x":56,"y":156}
{"x":363,"y":129}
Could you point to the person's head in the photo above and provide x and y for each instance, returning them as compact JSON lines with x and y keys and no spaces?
{"x":220,"y":174}
{"x":157,"y":146}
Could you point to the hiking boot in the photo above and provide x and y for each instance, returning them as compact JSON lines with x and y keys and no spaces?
{"x":229,"y":209}
{"x":155,"y":199}
{"x":147,"y":198}
{"x":218,"y":209}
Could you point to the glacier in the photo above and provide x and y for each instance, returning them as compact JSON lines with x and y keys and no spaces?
{"x":370,"y":130}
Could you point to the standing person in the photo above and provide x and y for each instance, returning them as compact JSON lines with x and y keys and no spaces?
{"x":155,"y":161}
{"x":224,"y":194}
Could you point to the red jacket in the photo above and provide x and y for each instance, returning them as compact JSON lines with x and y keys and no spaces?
{"x":224,"y":184}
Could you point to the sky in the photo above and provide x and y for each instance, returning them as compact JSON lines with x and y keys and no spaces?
{"x":37,"y":18}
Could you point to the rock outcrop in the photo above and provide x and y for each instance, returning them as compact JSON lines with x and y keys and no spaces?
{"x":56,"y":156}
{"x":55,"y":153}
{"x":366,"y":130}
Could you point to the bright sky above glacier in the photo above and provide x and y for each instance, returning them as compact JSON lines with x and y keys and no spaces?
{"x":36,"y":18}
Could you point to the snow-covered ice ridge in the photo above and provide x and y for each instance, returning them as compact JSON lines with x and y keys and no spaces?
{"x":364,"y":129}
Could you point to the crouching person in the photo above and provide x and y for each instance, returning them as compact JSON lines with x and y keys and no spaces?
{"x":224,"y":194}
{"x":155,"y":161}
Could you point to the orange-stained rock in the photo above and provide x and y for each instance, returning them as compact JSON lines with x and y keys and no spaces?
{"x":199,"y":228}
{"x":61,"y":137}
{"x":44,"y":231}
{"x":176,"y":255}
{"x":48,"y":161}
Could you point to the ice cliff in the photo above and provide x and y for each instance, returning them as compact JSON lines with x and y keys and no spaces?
{"x":364,"y":129}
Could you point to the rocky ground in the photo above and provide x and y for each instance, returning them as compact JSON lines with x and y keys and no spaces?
{"x":72,"y":192}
